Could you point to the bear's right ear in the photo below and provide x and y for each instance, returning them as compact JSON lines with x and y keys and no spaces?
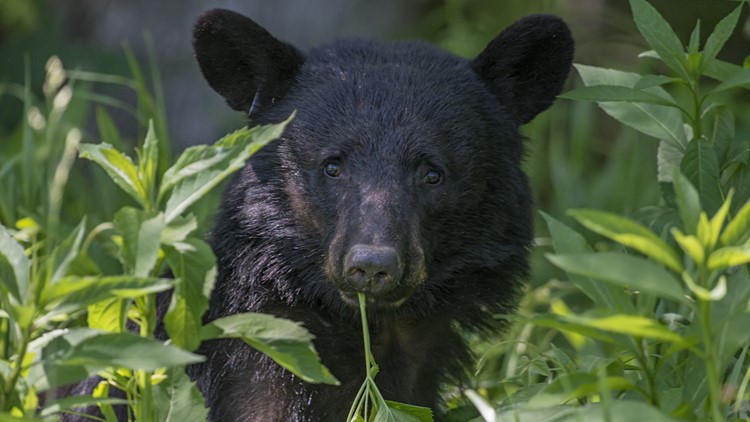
{"x":242,"y":61}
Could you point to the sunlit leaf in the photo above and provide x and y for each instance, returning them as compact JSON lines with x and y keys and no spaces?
{"x":118,"y":166}
{"x":284,"y":341}
{"x":141,"y":233}
{"x":737,"y":230}
{"x":14,"y":266}
{"x":729,"y":256}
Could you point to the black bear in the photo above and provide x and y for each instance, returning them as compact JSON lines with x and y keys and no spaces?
{"x":399,"y":177}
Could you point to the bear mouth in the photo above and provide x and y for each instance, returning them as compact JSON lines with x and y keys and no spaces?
{"x":351,"y":298}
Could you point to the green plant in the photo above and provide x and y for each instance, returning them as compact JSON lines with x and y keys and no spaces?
{"x":661,"y":331}
{"x":66,"y":309}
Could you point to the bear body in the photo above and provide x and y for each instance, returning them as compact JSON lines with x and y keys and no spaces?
{"x":400,"y":177}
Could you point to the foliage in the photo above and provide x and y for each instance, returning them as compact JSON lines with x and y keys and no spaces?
{"x":661,"y":331}
{"x":82,"y":301}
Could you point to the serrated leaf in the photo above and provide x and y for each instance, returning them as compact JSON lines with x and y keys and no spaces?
{"x":177,"y":399}
{"x":118,"y":166}
{"x":199,"y":170}
{"x":629,"y":233}
{"x":615,"y":93}
{"x":14,"y":266}
{"x":195,"y":266}
{"x":623,"y":270}
{"x":721,"y":34}
{"x":701,"y":166}
{"x":660,"y":36}
{"x":284,"y":341}
{"x":658,"y":121}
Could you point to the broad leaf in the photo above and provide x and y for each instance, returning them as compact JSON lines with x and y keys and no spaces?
{"x":390,"y":411}
{"x":118,"y":166}
{"x":658,"y":121}
{"x":738,"y":229}
{"x":688,"y":202}
{"x":629,"y":233}
{"x":729,"y":256}
{"x":178,"y":400}
{"x":195,"y":265}
{"x":623,"y":270}
{"x":284,"y":341}
{"x":740,"y":79}
{"x":615,"y":93}
{"x":141,"y":234}
{"x":701,"y":166}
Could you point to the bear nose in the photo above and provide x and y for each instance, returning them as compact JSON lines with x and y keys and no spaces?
{"x":372,"y":269}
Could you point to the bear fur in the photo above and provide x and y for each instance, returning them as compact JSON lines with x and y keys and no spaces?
{"x":400,"y":176}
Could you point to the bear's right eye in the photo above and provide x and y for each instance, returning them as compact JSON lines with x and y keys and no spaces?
{"x":332,"y":169}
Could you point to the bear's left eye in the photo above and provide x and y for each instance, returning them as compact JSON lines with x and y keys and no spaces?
{"x":332,"y":169}
{"x":432,"y":177}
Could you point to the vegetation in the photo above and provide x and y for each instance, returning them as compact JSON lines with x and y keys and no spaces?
{"x":639,"y":311}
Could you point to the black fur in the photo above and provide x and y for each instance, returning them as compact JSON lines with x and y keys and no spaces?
{"x":386,"y":115}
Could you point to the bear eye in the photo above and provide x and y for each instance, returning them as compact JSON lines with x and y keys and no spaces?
{"x":332,"y":169}
{"x":432,"y":177}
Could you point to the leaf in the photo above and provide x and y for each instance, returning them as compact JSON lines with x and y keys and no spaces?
{"x":668,"y":159}
{"x":615,"y":93}
{"x":178,"y":400}
{"x":688,"y":202}
{"x":72,"y":402}
{"x":740,"y":79}
{"x":629,"y":233}
{"x":738,"y":229}
{"x":141,"y":234}
{"x":485,"y":409}
{"x":390,"y":411}
{"x":660,"y":36}
{"x":572,"y":386}
{"x":70,"y":247}
{"x":648,"y":81}
{"x":108,"y":315}
{"x":720,"y":35}
{"x":195,"y":266}
{"x":657,"y":121}
{"x":701,"y":166}
{"x":284,"y":341}
{"x":565,"y":241}
{"x":118,"y":166}
{"x":82,"y":352}
{"x":202,"y":169}
{"x":729,"y":256}
{"x":623,"y":270}
{"x":148,"y":161}
{"x":14,"y":267}
{"x":73,"y":293}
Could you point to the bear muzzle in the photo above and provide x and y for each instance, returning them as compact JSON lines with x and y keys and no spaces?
{"x":373,"y":270}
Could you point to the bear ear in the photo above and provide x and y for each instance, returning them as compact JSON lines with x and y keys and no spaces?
{"x":528,"y":63}
{"x":242,"y":61}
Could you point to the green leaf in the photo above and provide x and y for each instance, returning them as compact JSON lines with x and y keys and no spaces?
{"x":729,"y":256}
{"x":740,"y":79}
{"x":623,"y":270}
{"x":658,"y":121}
{"x":82,"y":352}
{"x":108,"y":315}
{"x":14,"y":267}
{"x":198,"y":170}
{"x":284,"y":341}
{"x":615,"y":93}
{"x":195,"y":265}
{"x":648,"y":81}
{"x":73,"y":293}
{"x":660,"y":36}
{"x":566,"y":241}
{"x":720,"y":35}
{"x":572,"y":386}
{"x":72,"y":402}
{"x":390,"y":411}
{"x":148,"y":161}
{"x":178,"y":400}
{"x":141,"y":234}
{"x":107,"y":129}
{"x":695,"y":39}
{"x":629,"y":233}
{"x":701,"y":166}
{"x":67,"y":251}
{"x":738,"y":229}
{"x":178,"y":230}
{"x":118,"y":166}
{"x":688,"y":202}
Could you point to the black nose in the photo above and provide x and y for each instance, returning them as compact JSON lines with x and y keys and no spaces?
{"x":372,"y":269}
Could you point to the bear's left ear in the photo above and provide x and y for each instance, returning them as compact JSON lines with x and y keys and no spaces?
{"x":242,"y":61}
{"x":527,"y":63}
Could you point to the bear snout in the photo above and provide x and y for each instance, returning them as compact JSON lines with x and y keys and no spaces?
{"x":374,"y":270}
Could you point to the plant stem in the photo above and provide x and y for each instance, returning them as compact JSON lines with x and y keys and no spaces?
{"x":712,"y":374}
{"x":10,"y":385}
{"x":365,"y":333}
